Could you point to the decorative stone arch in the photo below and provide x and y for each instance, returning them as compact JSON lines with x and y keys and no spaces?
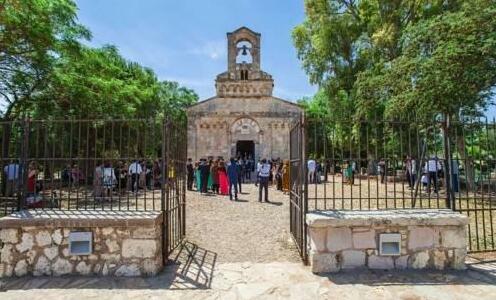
{"x":245,"y":128}
{"x":244,"y":123}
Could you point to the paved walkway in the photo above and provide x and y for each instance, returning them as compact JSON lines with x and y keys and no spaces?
{"x":277,"y":280}
{"x":242,"y":250}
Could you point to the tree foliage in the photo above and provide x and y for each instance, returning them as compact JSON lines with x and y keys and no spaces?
{"x":372,"y":57}
{"x":448,"y":64}
{"x":46,"y":71}
{"x":32,"y":33}
{"x":400,"y":59}
{"x":98,"y":83}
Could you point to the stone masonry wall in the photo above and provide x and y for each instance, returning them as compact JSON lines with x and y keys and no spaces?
{"x":352,"y":241}
{"x":117,"y":250}
{"x":211,"y":124}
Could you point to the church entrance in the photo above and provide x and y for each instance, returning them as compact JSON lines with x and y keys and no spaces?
{"x":245,"y":149}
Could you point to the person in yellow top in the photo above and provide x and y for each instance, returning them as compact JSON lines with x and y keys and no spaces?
{"x":285,"y":176}
{"x":171,"y":170}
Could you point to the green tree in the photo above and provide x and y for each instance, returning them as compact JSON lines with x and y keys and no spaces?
{"x":408,"y":58}
{"x":175,"y":99}
{"x":97,"y":83}
{"x":341,"y":39}
{"x":447,"y":66}
{"x":32,"y":34}
{"x":47,"y":73}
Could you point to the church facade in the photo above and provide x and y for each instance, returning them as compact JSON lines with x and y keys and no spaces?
{"x":243,"y":119}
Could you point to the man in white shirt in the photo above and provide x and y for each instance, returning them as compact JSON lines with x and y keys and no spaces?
{"x":12,"y":173}
{"x":432,"y":166}
{"x":263,"y":176}
{"x":259,"y":166}
{"x":135,"y":170}
{"x":311,"y":165}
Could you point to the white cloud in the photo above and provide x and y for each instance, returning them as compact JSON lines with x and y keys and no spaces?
{"x":211,"y":49}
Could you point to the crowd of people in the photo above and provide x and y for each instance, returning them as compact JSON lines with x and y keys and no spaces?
{"x":428,"y":174}
{"x":209,"y":175}
{"x":109,"y":178}
{"x":217,"y":176}
{"x":136,"y":176}
{"x":116,"y":178}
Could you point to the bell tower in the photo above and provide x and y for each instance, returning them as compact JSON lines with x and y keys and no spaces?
{"x":244,"y":77}
{"x":243,"y":44}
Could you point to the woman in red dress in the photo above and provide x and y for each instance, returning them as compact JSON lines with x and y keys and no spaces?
{"x":32,"y":200}
{"x":223,"y":182}
{"x":32,"y":173}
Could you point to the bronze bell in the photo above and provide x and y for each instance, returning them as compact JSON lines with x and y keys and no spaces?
{"x":244,"y":50}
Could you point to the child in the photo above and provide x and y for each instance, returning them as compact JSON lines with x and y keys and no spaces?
{"x":425,"y":180}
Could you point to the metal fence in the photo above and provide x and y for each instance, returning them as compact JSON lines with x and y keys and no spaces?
{"x":81,"y":164}
{"x":136,"y":164}
{"x":401,"y":164}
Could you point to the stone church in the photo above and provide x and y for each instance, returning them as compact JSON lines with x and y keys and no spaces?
{"x":243,"y":119}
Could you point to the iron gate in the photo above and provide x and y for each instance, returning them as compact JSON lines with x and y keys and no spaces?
{"x":298,"y":205}
{"x":68,"y":158}
{"x":174,"y":191}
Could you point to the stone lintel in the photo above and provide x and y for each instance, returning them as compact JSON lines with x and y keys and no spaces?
{"x":81,"y":218}
{"x":400,"y":217}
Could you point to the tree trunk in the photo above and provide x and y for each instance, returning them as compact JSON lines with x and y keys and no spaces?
{"x":5,"y":153}
{"x":468,"y":163}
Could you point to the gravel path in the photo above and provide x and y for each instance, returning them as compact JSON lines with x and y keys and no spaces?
{"x":242,"y":231}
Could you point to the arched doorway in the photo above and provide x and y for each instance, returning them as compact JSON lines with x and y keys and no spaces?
{"x":245,"y":149}
{"x":245,"y":138}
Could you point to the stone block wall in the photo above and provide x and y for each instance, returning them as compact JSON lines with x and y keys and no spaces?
{"x":430,"y":239}
{"x":212,"y":126}
{"x":123,"y":244}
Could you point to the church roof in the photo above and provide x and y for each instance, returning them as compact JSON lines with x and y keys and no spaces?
{"x":215,"y":97}
{"x":243,"y":28}
{"x":287,"y":101}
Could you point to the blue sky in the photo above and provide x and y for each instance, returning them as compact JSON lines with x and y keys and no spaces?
{"x":185,"y":41}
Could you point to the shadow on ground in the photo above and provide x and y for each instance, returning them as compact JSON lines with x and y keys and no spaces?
{"x":190,"y":267}
{"x":480,"y":271}
{"x":412,"y":278}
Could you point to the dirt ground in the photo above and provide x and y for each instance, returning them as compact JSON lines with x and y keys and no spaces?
{"x":243,"y":230}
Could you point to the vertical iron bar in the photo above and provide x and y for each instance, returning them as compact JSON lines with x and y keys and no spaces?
{"x":447,"y":158}
{"x":305,"y":198}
